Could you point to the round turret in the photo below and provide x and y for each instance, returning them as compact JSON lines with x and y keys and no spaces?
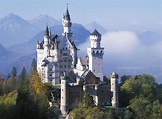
{"x":114,"y":89}
{"x":114,"y":75}
{"x":64,"y":95}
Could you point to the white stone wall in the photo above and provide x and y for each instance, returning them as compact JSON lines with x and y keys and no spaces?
{"x":96,"y":61}
{"x":64,"y":97}
{"x":95,"y":41}
{"x":114,"y":89}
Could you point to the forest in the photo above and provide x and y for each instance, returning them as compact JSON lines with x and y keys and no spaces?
{"x":24,"y":96}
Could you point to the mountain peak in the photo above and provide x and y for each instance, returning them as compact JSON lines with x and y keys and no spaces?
{"x":12,"y":15}
{"x":94,"y":25}
{"x":41,"y":20}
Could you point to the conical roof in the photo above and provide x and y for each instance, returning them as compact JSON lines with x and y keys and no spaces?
{"x":46,"y":31}
{"x":95,"y":32}
{"x":67,"y":15}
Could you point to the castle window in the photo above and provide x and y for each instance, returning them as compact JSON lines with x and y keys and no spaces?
{"x":65,"y":66}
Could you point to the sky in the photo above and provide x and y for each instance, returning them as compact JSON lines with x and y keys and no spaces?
{"x":112,"y":14}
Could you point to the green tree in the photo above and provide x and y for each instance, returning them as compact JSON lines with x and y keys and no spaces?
{"x":141,"y":108}
{"x":1,"y":86}
{"x":23,"y":102}
{"x":128,"y":114}
{"x":33,"y":66}
{"x":87,"y":100}
{"x":156,"y":114}
{"x":159,"y":94}
{"x":5,"y":87}
{"x":14,"y":72}
{"x":11,"y":84}
{"x":124,"y":78}
{"x":39,"y":93}
{"x":109,"y":115}
{"x":143,"y":85}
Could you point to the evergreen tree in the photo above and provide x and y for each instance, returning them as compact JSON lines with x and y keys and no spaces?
{"x":23,"y":102}
{"x":33,"y":66}
{"x":14,"y":72}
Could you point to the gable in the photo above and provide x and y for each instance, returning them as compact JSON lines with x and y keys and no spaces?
{"x":90,"y":78}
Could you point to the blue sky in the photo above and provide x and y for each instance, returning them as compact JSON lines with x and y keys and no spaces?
{"x":112,"y":14}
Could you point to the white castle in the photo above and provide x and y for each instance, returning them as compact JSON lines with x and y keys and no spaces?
{"x":57,"y":58}
{"x":57,"y":54}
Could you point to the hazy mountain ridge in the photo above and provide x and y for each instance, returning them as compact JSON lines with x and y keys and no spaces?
{"x":80,"y":34}
{"x":149,"y":37}
{"x":3,"y":51}
{"x":14,"y":29}
{"x":43,"y":20}
{"x":94,"y":25}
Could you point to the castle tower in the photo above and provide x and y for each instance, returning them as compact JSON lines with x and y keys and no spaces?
{"x":95,"y":54}
{"x":114,"y":89}
{"x":64,"y":107}
{"x":46,"y":42}
{"x":66,"y":22}
{"x":42,"y":51}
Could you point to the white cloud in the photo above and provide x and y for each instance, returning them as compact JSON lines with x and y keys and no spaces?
{"x":120,"y":42}
{"x":126,"y":54}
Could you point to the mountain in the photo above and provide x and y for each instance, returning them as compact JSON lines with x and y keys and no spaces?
{"x":42,"y":20}
{"x":5,"y":58}
{"x":94,"y":25}
{"x":20,"y":62}
{"x":80,"y":35}
{"x":14,"y":29}
{"x":3,"y":51}
{"x":149,"y":38}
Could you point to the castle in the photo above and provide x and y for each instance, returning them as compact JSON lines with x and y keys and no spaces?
{"x":57,"y":62}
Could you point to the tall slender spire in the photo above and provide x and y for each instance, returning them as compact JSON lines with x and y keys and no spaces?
{"x":67,"y":15}
{"x":46,"y":31}
{"x":66,"y":22}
